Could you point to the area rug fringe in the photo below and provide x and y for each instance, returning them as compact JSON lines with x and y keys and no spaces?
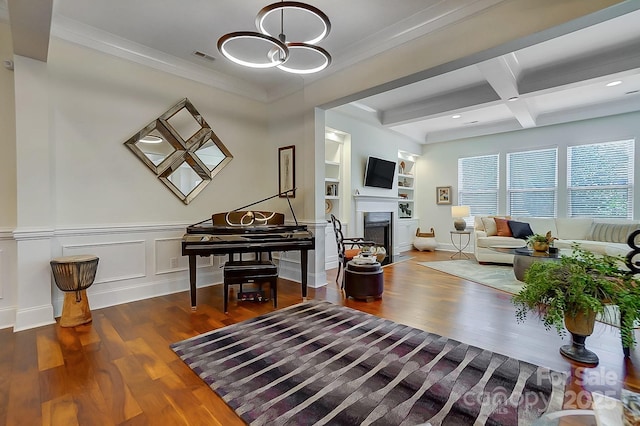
{"x":318,"y":363}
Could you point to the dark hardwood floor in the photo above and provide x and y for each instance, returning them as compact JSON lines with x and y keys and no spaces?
{"x":119,"y":370}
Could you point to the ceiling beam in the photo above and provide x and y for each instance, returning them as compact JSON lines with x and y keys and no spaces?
{"x":30,"y":22}
{"x":439,"y":105}
{"x":502,"y":74}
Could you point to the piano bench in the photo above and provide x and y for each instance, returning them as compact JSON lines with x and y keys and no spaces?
{"x":250,"y":271}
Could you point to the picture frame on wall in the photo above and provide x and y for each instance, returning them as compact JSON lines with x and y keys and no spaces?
{"x":287,"y":171}
{"x":443,"y":195}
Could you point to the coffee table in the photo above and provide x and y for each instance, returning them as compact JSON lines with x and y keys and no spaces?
{"x":524,"y":257}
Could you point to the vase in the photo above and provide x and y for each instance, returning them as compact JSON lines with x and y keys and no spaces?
{"x":580,"y":326}
{"x":540,"y":246}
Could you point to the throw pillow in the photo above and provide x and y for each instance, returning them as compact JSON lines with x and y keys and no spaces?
{"x":489,"y":226}
{"x":503,"y":227}
{"x":520,"y":229}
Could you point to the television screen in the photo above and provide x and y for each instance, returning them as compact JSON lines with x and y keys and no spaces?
{"x":379,"y":173}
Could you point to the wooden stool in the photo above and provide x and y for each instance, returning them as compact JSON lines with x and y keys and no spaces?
{"x":250,"y":271}
{"x":73,"y":275}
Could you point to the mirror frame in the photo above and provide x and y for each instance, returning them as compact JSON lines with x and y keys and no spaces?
{"x":185,"y":151}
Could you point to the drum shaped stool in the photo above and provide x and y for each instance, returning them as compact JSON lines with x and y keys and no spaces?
{"x":363,"y":281}
{"x":73,"y":275}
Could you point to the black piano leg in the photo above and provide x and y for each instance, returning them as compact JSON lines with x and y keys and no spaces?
{"x":192,"y":281}
{"x":304,"y":260}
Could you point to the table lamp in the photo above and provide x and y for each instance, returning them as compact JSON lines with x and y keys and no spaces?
{"x":459,"y":213}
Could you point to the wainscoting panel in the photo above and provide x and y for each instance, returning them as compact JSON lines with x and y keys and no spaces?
{"x":3,"y":262}
{"x":8,"y":287}
{"x":119,"y":260}
{"x":169,"y":258}
{"x":136,"y":262}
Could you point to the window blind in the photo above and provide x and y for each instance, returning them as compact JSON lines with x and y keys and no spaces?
{"x":532,"y":183}
{"x":478,"y":184}
{"x":600,"y":179}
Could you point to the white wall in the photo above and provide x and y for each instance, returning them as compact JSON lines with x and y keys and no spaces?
{"x":7,"y":183}
{"x":99,"y":101}
{"x":438,"y":165}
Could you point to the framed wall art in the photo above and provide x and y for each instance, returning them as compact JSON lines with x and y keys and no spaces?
{"x":287,"y":171}
{"x":443,"y":195}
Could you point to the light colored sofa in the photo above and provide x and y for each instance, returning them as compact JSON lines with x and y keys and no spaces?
{"x":600,"y":236}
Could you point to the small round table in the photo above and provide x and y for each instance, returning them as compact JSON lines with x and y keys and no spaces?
{"x":73,"y":275}
{"x":461,"y":245}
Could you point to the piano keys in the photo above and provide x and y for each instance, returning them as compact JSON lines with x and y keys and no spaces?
{"x":229,"y":234}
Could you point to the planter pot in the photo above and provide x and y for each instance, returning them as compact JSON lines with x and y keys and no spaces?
{"x":580,"y":326}
{"x":540,"y":246}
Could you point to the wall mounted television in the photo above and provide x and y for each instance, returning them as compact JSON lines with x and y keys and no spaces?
{"x":379,"y":173}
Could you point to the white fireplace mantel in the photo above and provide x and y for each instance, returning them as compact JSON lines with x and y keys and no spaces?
{"x":377,"y":203}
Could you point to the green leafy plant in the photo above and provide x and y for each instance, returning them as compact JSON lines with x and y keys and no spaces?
{"x":539,"y":238}
{"x":582,"y":282}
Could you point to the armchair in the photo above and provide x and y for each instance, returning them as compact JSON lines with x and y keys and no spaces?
{"x":348,"y":248}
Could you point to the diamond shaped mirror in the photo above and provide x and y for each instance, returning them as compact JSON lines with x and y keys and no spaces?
{"x":181,"y":150}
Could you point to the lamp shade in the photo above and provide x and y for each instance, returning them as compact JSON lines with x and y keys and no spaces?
{"x":460,"y":211}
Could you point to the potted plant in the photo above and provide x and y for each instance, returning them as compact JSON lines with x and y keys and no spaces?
{"x":573,"y":291}
{"x":539,"y":242}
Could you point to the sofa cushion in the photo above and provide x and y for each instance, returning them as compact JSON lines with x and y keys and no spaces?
{"x":612,"y":232}
{"x":575,"y":228}
{"x":520,"y":229}
{"x":540,"y":225}
{"x":502,"y":226}
{"x":489,"y":226}
{"x":504,"y":242}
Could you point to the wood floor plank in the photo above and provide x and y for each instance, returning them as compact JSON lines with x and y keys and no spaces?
{"x":7,"y":349}
{"x":24,"y":407}
{"x":120,"y":370}
{"x":154,"y":366}
{"x":60,"y":411}
{"x":118,"y":400}
{"x":49,"y":351}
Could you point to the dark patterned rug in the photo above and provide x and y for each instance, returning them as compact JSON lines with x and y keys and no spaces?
{"x":318,"y":363}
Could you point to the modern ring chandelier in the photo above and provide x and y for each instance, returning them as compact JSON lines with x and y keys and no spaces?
{"x":276,"y":50}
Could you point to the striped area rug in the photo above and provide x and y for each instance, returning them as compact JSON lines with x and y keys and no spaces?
{"x":319,"y":363}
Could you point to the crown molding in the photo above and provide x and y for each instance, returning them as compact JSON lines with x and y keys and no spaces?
{"x":75,"y":32}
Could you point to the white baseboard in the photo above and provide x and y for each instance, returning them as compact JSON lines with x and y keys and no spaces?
{"x":33,"y":317}
{"x":7,"y":317}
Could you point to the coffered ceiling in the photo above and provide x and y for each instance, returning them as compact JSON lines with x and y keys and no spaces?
{"x":556,"y":80}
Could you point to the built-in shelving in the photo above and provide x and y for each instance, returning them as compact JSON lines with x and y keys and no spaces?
{"x":406,"y":185}
{"x":336,"y":194}
{"x":334,"y":152}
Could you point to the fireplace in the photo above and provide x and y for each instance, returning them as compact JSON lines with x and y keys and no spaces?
{"x":378,"y":227}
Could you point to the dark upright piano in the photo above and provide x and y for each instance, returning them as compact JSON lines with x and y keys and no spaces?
{"x":238,"y":232}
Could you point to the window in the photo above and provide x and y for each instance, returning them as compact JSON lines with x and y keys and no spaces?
{"x":600,"y":179}
{"x":532,"y":183}
{"x":478,"y":184}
